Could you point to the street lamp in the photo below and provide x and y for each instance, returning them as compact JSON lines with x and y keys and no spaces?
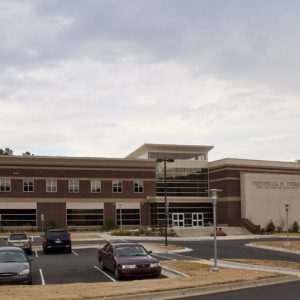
{"x":287,"y":243}
{"x":165,"y":160}
{"x":120,"y":211}
{"x":214,"y":198}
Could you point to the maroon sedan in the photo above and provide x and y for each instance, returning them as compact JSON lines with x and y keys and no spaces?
{"x":128,"y":260}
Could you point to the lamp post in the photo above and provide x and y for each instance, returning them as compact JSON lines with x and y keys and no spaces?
{"x":120,"y":208}
{"x":214,"y":198}
{"x":165,"y":160}
{"x":287,"y":243}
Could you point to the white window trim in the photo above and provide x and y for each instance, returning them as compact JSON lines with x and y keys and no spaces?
{"x":53,"y":183}
{"x":28,"y":180}
{"x":6,"y":182}
{"x":119,"y":183}
{"x":94,"y":186}
{"x":140,"y":183}
{"x":73,"y":183}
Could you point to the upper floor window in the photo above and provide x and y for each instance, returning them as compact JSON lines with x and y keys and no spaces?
{"x":73,"y":186}
{"x":5,"y":185}
{"x":117,"y":186}
{"x":51,"y":185}
{"x":28,"y":185}
{"x":138,"y":186}
{"x":95,"y":186}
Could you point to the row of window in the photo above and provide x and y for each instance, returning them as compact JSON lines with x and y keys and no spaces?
{"x":73,"y":185}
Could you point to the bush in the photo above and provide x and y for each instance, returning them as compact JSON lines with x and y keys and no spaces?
{"x":51,"y":224}
{"x":123,"y":232}
{"x":295,"y":227}
{"x":271,"y":227}
{"x":109,"y":224}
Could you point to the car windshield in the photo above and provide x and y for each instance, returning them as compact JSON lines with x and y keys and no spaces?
{"x":131,"y":250}
{"x":12,"y":256}
{"x":57,"y":235}
{"x":18,"y":236}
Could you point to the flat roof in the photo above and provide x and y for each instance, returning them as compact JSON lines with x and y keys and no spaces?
{"x":145,"y":148}
{"x":238,"y":162}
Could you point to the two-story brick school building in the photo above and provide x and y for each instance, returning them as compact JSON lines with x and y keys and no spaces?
{"x":88,"y":192}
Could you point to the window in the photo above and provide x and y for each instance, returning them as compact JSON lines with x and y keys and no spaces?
{"x":117,"y":186}
{"x":5,"y":185}
{"x":51,"y":185}
{"x":95,"y":186}
{"x":73,"y":186}
{"x":138,"y":186}
{"x":28,"y":185}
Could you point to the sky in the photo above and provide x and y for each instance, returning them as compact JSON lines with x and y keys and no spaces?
{"x":102,"y":77}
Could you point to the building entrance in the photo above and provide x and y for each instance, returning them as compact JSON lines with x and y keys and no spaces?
{"x":178,"y":219}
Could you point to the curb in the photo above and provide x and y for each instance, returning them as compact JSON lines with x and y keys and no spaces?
{"x":272,"y":248}
{"x":173,"y":294}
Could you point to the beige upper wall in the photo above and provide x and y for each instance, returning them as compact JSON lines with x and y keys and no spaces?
{"x":263,"y":197}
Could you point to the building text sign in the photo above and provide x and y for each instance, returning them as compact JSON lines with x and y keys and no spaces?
{"x":273,"y":185}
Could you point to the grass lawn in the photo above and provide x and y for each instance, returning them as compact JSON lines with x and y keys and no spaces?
{"x":295,"y":245}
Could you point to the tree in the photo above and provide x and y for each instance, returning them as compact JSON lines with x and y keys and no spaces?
{"x":6,"y":151}
{"x":27,"y":153}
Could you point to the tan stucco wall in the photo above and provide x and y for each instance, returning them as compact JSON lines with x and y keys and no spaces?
{"x":263,"y":197}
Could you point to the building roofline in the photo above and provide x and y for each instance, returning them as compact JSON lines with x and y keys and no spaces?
{"x":167,"y":148}
{"x":252,"y":163}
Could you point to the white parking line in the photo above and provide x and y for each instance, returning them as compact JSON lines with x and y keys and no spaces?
{"x":75,"y":253}
{"x":36,"y":254}
{"x":42,"y":277}
{"x":111,"y":278}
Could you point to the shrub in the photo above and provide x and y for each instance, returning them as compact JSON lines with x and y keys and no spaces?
{"x":295,"y":227}
{"x":125,"y":232}
{"x":109,"y":224}
{"x":271,"y":227}
{"x":51,"y":224}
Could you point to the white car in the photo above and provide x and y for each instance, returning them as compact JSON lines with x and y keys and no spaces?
{"x":21,"y":240}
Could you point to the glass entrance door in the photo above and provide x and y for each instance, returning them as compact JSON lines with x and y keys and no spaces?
{"x":178,"y":219}
{"x":197,"y":219}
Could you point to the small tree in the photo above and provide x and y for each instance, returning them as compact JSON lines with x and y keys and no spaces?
{"x":6,"y":151}
{"x":271,"y":227}
{"x":295,"y":227}
{"x":110,"y":224}
{"x":51,"y":224}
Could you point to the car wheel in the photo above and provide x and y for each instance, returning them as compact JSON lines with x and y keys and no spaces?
{"x":69,"y":250}
{"x":116,"y":272}
{"x":29,"y":251}
{"x":46,"y":251}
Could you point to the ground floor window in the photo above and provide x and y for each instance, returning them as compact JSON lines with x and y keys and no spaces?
{"x":128,"y":217}
{"x":85,"y":217}
{"x":18,"y":217}
{"x":182,"y":214}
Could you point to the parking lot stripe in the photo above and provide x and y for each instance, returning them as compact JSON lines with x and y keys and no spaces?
{"x":36,"y":254}
{"x":75,"y":253}
{"x":111,"y":278}
{"x":42,"y":277}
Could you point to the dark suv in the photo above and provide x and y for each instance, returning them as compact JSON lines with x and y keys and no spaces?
{"x":57,"y":239}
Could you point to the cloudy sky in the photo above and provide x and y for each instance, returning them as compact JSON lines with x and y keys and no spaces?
{"x":102,"y":77}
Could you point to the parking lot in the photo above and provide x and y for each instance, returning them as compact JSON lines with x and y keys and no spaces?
{"x":82,"y":264}
{"x":58,"y":267}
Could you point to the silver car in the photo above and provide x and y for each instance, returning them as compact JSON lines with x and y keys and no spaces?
{"x":21,"y":240}
{"x":15,"y":267}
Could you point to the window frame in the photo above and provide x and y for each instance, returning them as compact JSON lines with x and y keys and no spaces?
{"x":94,"y":186}
{"x":6,"y":184}
{"x":52,"y":185}
{"x":139,"y":185}
{"x":73,"y":186}
{"x":117,"y":186}
{"x":29,"y":186}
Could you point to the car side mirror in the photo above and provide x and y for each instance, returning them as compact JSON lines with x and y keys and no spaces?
{"x":30,"y":238}
{"x":5,"y":239}
{"x":150,"y":251}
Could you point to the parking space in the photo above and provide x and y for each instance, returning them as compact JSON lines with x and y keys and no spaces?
{"x":59,"y":267}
